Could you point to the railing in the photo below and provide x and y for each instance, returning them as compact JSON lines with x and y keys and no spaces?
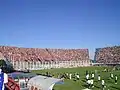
{"x":12,"y":85}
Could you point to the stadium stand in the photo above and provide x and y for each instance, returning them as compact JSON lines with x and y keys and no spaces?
{"x":37,"y":58}
{"x":108,"y":55}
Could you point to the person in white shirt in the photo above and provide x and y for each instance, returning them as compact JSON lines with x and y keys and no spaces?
{"x":111,"y":75}
{"x":70,"y":76}
{"x":92,"y":81}
{"x":103,"y":84}
{"x":93,"y":75}
{"x":88,"y":83}
{"x":116,"y":78}
{"x":87,"y":76}
{"x":67,"y":74}
{"x":99,"y":77}
{"x":77,"y":76}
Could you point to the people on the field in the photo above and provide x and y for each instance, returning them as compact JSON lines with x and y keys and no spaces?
{"x":86,"y":72}
{"x":90,"y":77}
{"x":67,"y":74}
{"x":105,"y":70}
{"x":116,"y":78}
{"x":93,"y":75}
{"x":111,"y":75}
{"x":103,"y":84}
{"x":88,"y":83}
{"x":77,"y":76}
{"x":70,"y":76}
{"x":99,"y":78}
{"x":87,"y":76}
{"x":92,"y":81}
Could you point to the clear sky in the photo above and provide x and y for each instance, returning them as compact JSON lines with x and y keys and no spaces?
{"x":60,"y":23}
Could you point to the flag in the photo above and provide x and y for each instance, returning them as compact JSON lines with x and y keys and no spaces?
{"x":2,"y":81}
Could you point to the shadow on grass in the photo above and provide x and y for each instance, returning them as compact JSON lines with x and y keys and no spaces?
{"x":95,"y":87}
{"x":86,"y":86}
{"x":110,"y":81}
{"x":117,"y":88}
{"x":83,"y":80}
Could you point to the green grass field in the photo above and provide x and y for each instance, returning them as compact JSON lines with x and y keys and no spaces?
{"x":81,"y":84}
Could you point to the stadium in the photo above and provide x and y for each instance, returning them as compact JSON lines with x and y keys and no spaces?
{"x":27,"y":64}
{"x":59,"y":45}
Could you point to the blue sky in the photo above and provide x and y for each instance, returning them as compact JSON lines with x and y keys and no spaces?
{"x":60,"y":23}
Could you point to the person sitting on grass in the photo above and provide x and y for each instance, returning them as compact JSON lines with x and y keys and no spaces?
{"x":92,"y":81}
{"x":88,"y":84}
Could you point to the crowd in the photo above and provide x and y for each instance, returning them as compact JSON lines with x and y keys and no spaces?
{"x":108,"y":55}
{"x":38,"y":54}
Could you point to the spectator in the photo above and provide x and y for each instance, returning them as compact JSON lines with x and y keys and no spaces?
{"x":35,"y":54}
{"x":108,"y":55}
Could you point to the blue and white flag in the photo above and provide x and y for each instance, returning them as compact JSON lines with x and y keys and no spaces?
{"x":2,"y":81}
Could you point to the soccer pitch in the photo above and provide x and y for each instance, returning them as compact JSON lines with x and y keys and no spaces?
{"x":81,"y":84}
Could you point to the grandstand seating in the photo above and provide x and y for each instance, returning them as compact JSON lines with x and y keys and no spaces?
{"x":108,"y":55}
{"x":36,"y":58}
{"x":26,"y":54}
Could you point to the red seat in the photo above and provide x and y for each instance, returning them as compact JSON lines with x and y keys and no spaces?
{"x":12,"y":85}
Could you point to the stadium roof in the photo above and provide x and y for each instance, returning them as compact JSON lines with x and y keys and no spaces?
{"x":43,"y":83}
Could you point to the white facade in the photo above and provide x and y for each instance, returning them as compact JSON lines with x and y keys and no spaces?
{"x":37,"y":65}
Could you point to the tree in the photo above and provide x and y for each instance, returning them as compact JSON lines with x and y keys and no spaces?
{"x":2,"y":63}
{"x":5,"y":67}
